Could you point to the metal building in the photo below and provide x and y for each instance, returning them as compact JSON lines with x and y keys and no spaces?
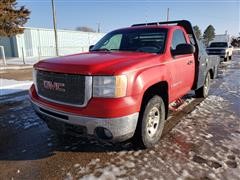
{"x":222,"y":38}
{"x":39,"y":42}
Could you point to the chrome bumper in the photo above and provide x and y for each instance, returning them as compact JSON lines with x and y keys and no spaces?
{"x":121,"y":128}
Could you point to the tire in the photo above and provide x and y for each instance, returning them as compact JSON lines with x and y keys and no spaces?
{"x":204,"y":90}
{"x":226,"y":58}
{"x":151,"y":123}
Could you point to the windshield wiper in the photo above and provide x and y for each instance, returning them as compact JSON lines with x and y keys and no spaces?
{"x":102,"y":49}
{"x":105,"y":49}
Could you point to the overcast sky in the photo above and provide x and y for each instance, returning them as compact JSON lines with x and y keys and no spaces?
{"x":222,"y":14}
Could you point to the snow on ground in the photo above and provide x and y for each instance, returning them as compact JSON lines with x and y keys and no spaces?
{"x":12,"y":86}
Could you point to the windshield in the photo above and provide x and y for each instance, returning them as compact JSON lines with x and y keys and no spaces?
{"x":219,"y":44}
{"x":150,"y":40}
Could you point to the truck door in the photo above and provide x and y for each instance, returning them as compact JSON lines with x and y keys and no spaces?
{"x":183,"y":67}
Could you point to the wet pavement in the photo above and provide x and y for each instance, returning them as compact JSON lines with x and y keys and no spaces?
{"x":201,"y":141}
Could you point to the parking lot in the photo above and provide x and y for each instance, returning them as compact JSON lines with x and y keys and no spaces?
{"x":201,"y":141}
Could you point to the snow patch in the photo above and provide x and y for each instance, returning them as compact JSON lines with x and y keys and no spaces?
{"x":12,"y":86}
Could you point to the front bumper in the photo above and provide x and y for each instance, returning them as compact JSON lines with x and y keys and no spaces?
{"x":119,"y":129}
{"x":96,"y":107}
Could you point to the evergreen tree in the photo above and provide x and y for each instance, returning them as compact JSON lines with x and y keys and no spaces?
{"x":12,"y":18}
{"x":197,"y":32}
{"x":209,"y":34}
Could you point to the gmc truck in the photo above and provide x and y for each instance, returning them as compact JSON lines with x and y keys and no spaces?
{"x":121,"y":89}
{"x":221,"y":49}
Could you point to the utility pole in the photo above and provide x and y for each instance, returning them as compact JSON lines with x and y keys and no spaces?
{"x":55,"y":27}
{"x":167,"y":14}
{"x":99,"y":29}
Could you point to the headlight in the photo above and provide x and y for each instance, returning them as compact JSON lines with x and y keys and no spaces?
{"x":34,"y":76}
{"x":109,"y":86}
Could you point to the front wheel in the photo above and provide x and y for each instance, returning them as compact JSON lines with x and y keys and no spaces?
{"x":151,"y":122}
{"x":226,"y":58}
{"x":204,"y":90}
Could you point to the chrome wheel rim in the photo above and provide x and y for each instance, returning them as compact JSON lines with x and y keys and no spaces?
{"x":153,"y":121}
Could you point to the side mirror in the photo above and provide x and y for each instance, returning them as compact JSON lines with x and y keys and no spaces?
{"x":90,"y":47}
{"x":182,"y":49}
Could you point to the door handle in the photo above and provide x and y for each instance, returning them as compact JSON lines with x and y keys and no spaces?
{"x":189,"y":62}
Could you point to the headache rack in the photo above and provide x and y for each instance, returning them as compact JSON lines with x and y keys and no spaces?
{"x":183,"y":23}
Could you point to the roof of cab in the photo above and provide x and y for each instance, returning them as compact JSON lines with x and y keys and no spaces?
{"x":150,"y":27}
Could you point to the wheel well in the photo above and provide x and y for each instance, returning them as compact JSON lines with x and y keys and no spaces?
{"x":160,"y":89}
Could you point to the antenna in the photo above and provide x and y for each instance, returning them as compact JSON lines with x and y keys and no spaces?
{"x":167,"y":14}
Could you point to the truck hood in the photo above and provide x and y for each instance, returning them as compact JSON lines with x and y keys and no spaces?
{"x":94,"y":63}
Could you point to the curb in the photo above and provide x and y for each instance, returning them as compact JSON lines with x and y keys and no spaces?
{"x":15,"y":67}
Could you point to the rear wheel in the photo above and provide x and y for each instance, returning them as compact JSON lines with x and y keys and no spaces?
{"x":151,"y":122}
{"x":204,"y":90}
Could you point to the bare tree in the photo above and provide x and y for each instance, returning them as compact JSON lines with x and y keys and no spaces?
{"x":235,"y":42}
{"x":85,"y":29}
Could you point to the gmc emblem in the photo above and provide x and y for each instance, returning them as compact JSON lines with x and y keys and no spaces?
{"x":55,"y":86}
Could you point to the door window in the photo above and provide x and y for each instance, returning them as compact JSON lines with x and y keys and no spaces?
{"x":178,"y":38}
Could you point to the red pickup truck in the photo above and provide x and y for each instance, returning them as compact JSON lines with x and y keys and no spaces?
{"x":122,"y":87}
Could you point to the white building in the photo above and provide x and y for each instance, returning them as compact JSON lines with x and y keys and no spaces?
{"x":222,"y":38}
{"x":39,"y":42}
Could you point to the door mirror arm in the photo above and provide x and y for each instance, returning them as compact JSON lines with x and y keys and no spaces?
{"x":90,"y":47}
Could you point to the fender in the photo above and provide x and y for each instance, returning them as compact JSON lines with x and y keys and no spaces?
{"x":142,"y":80}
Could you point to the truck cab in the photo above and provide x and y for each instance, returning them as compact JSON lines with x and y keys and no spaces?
{"x":222,"y":49}
{"x":122,"y":87}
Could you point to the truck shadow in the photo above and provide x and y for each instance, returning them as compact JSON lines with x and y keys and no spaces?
{"x":92,"y":145}
{"x":38,"y":142}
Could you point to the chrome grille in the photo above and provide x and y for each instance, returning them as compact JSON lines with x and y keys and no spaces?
{"x":214,"y":51}
{"x":69,"y":89}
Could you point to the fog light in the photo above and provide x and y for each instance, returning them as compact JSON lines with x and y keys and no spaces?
{"x":103,"y":133}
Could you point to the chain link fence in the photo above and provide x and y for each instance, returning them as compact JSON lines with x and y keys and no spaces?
{"x":44,"y":53}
